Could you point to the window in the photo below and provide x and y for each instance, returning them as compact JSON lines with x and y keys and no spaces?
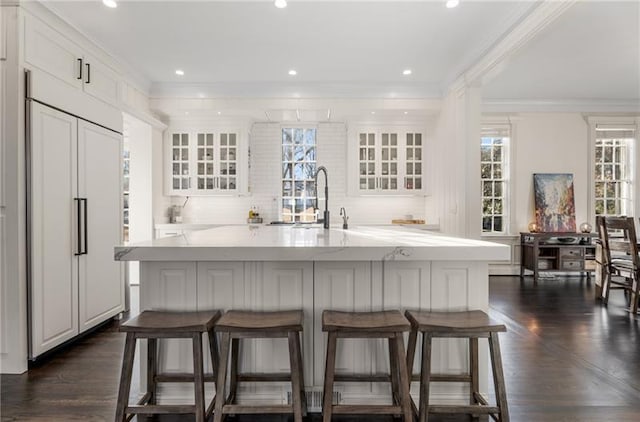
{"x":298,"y":171}
{"x":613,"y":172}
{"x":126,"y":163}
{"x":493,"y":168}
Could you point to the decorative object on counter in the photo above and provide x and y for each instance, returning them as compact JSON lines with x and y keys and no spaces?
{"x":533,"y":227}
{"x":343,"y":213}
{"x":254,"y":216}
{"x":409,"y":221}
{"x":585,"y":228}
{"x":554,"y":201}
{"x":175,"y":212}
{"x":325,"y":219}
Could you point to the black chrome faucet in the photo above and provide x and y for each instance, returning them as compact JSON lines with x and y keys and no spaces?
{"x":343,"y":213}
{"x":326,"y":196}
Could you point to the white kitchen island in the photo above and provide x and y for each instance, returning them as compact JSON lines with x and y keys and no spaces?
{"x":309,"y":268}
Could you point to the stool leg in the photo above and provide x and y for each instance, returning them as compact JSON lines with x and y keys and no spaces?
{"x":301,"y":372}
{"x":296,"y":397}
{"x":498,"y":376}
{"x":222,"y":377}
{"x":125,"y":377}
{"x":213,"y":350}
{"x":152,"y":368}
{"x":405,"y":398}
{"x":329,"y":372}
{"x":233,"y":376}
{"x":473,"y":371}
{"x":393,"y":372}
{"x":425,"y":374}
{"x":411,"y":351}
{"x":198,"y":377}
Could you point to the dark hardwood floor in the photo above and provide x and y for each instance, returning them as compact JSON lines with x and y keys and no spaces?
{"x":566,"y":358}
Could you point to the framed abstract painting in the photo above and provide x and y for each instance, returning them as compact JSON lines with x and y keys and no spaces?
{"x":554,"y":202}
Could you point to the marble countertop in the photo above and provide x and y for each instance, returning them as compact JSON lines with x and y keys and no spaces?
{"x":310,"y":243}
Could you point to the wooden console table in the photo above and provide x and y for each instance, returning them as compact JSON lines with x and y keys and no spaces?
{"x":557,"y":252}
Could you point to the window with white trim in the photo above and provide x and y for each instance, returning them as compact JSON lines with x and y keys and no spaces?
{"x":298,"y":171}
{"x":494,"y":143}
{"x":613,"y":174}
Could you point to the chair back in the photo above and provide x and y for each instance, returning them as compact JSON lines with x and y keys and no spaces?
{"x":618,"y":237}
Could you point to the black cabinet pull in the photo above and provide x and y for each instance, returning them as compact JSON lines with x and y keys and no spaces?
{"x":88,"y":73}
{"x":80,"y":69}
{"x":78,"y":213}
{"x":86,"y":231}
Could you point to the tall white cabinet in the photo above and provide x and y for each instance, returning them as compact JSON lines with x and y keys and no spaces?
{"x":75,"y":221}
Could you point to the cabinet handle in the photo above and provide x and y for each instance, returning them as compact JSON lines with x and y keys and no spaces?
{"x":86,"y":229}
{"x":88,"y":73}
{"x":78,"y":213}
{"x":80,"y":69}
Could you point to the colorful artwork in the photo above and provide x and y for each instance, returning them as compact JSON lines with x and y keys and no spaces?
{"x":555,"y":204}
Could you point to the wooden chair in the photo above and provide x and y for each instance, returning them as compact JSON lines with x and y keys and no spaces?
{"x":236,"y":325}
{"x":154,"y":325}
{"x":385,"y":324}
{"x":471,"y":325}
{"x":620,"y":257}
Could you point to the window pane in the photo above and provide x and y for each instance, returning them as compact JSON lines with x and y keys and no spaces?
{"x":497,"y":189}
{"x":497,"y":224}
{"x":487,"y":189}
{"x":486,"y":171}
{"x":485,"y":153}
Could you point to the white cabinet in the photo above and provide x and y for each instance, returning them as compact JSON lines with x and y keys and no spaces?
{"x":49,"y":51}
{"x":75,"y":221}
{"x":388,"y":161}
{"x":205,"y":162}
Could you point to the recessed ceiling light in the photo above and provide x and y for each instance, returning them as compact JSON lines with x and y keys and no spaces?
{"x":406,"y":112}
{"x":373,"y":112}
{"x":280,"y":4}
{"x":180,"y":72}
{"x":293,"y":72}
{"x":407,"y":72}
{"x":452,"y":3}
{"x":110,"y":3}
{"x":219,"y":113}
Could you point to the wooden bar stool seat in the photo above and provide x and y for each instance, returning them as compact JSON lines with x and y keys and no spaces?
{"x":154,"y":325}
{"x":472,"y":325}
{"x":384,"y":324}
{"x":236,"y":325}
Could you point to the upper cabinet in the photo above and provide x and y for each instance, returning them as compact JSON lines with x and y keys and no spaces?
{"x":205,"y":162}
{"x":51,"y":52}
{"x":387,"y":161}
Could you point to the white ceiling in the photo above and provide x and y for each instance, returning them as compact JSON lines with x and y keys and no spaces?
{"x":591,"y":52}
{"x":341,"y":49}
{"x":358,"y":49}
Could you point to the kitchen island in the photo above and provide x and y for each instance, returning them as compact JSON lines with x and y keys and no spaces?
{"x":310,"y":268}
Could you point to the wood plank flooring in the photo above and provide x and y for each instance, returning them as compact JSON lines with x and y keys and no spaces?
{"x":566,"y":358}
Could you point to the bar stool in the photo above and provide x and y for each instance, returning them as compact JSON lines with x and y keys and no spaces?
{"x":471,"y":325}
{"x":154,"y":325}
{"x":236,"y":325}
{"x":385,"y":324}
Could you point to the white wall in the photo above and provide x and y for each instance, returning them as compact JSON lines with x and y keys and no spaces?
{"x":549,"y":143}
{"x":265,"y":182}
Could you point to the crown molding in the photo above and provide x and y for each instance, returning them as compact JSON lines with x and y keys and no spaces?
{"x":492,"y":63}
{"x":565,"y":105}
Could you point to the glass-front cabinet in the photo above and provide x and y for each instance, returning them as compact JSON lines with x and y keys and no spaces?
{"x":388,"y":162}
{"x":205,"y":162}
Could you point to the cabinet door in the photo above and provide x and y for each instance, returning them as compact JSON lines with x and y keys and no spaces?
{"x":51,"y":52}
{"x":101,"y":285}
{"x":100,"y":80}
{"x":54,"y":228}
{"x":344,"y":286}
{"x":180,"y":171}
{"x":414,"y":160}
{"x":228,"y":162}
{"x":389,"y":148}
{"x":367,"y":162}
{"x":206,"y":156}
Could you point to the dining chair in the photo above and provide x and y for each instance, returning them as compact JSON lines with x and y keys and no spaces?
{"x":620,"y":257}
